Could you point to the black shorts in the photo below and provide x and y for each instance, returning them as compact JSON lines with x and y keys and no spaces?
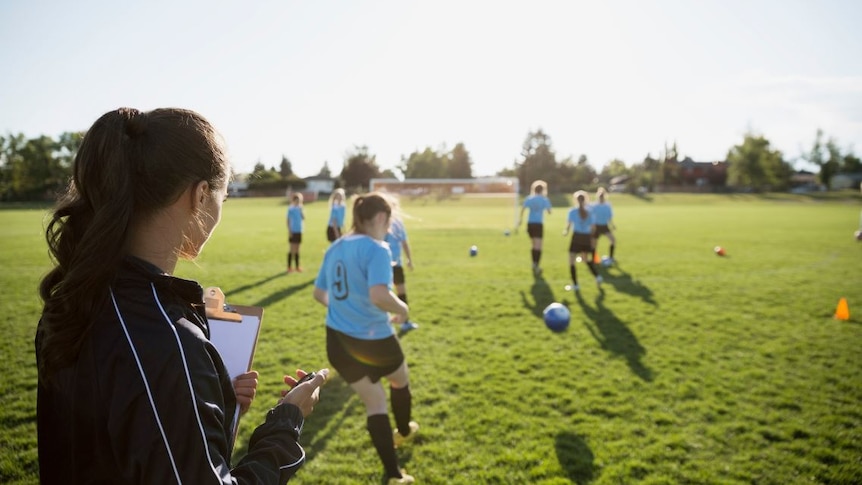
{"x":330,"y":234}
{"x":602,"y":229}
{"x":581,"y":243}
{"x":295,"y":237}
{"x":535,"y":230}
{"x":354,"y":359}
{"x":398,"y":275}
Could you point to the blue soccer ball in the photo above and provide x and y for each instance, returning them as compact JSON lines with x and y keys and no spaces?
{"x":474,"y":250}
{"x":557,"y":317}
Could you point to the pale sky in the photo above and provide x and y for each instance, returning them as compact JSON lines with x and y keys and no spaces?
{"x":311,"y":79}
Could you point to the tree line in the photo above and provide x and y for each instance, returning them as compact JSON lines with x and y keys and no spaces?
{"x":39,"y":168}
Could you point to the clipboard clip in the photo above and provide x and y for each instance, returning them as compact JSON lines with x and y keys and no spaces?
{"x":216,"y":308}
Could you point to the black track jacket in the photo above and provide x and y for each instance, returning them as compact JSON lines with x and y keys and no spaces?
{"x":149,"y":401}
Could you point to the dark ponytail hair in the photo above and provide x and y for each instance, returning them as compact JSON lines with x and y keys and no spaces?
{"x":130,"y":166}
{"x":366,"y":207}
{"x":582,"y":199}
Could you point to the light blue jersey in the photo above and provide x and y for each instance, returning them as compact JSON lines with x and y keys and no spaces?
{"x":351,"y":266}
{"x":581,"y":226}
{"x":294,"y":219}
{"x":537,"y":205}
{"x":336,"y":215}
{"x":602,"y":212}
{"x":395,"y":237}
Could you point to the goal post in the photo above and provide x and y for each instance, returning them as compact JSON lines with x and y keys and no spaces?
{"x":441,"y":189}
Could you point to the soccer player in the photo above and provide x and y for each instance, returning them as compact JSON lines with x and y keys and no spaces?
{"x":336,"y":215}
{"x":537,"y":204}
{"x":130,"y":390}
{"x":354,"y":285}
{"x":581,"y":222}
{"x":603,"y":214}
{"x":397,"y":240}
{"x":295,"y":216}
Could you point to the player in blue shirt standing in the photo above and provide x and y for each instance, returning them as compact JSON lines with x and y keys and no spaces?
{"x":397,"y":240}
{"x":353,"y":284}
{"x":336,"y":215}
{"x":603,"y":218}
{"x":537,"y":204}
{"x":295,"y":216}
{"x":581,"y":220}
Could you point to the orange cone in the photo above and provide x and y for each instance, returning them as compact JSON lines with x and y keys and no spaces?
{"x":842,"y":312}
{"x":596,"y":258}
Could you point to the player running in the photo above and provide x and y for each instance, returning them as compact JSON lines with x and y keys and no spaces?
{"x":581,"y":220}
{"x":537,"y":204}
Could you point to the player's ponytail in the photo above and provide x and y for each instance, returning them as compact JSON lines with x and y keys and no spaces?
{"x":582,"y":199}
{"x":130,"y":166}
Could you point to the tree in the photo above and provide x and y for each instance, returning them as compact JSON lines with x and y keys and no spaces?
{"x":614,"y":168}
{"x":260,"y":174}
{"x":815,"y":156}
{"x":428,"y":164}
{"x":754,"y":165}
{"x":286,"y":168}
{"x":324,"y":170}
{"x":37,"y":168}
{"x":851,"y":163}
{"x":460,"y":165}
{"x":540,"y":161}
{"x":359,"y":168}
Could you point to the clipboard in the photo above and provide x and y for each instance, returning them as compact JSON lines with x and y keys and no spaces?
{"x":234,"y":330}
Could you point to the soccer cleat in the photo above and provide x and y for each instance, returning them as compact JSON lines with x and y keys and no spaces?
{"x":405,"y":478}
{"x":599,"y":280}
{"x":576,"y":288}
{"x":298,"y":269}
{"x":408,"y":326}
{"x":290,"y":270}
{"x":399,"y":440}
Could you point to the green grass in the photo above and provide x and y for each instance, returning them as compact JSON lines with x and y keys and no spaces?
{"x":689,"y":368}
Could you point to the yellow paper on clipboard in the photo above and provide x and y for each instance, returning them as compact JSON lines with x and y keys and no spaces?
{"x":234,"y":330}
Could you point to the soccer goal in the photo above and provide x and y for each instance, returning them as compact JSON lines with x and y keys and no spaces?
{"x":504,"y":188}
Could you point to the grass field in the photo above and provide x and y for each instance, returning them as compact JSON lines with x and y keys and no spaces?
{"x":687,"y":368}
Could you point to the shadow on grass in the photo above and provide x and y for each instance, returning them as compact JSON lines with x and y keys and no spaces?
{"x":332,"y":410}
{"x":336,"y":406}
{"x":624,"y":283}
{"x":282,"y":294}
{"x":249,"y":286}
{"x":575,"y":457}
{"x":542,"y":296}
{"x":614,"y":336}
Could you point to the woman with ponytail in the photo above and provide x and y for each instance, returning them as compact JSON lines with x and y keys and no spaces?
{"x":537,"y":204}
{"x":130,"y":389}
{"x":583,"y":243}
{"x":354,"y":284}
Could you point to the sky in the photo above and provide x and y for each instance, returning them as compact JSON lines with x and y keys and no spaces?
{"x":312,"y":80}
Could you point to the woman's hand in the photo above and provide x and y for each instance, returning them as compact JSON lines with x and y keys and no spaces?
{"x":305,"y":395}
{"x":245,"y":387}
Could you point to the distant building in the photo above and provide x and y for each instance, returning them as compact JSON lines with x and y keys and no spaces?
{"x":841,"y":181}
{"x":237,"y":188}
{"x":702,"y":174}
{"x":322,"y":185}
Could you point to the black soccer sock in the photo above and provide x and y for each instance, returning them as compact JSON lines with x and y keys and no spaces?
{"x":403,"y":297}
{"x":574,"y":272}
{"x":402,"y":405}
{"x":538,"y":256}
{"x":612,"y":251}
{"x":534,"y":253}
{"x":592,"y":267}
{"x":289,"y":259}
{"x":381,"y":436}
{"x":296,"y":256}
